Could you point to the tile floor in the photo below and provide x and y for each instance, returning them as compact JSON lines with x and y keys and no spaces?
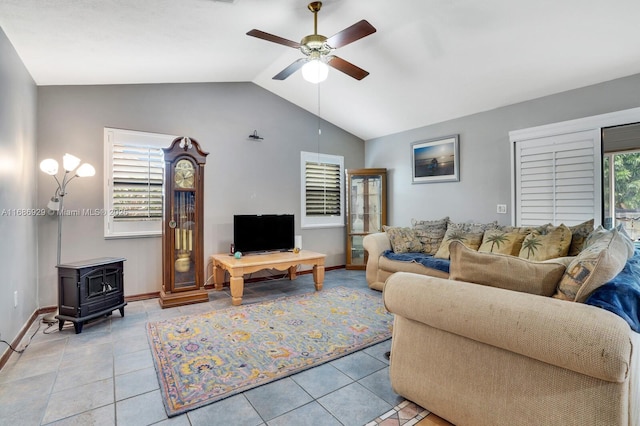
{"x":105,"y":375}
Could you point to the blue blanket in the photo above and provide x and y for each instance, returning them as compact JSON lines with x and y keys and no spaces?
{"x":421,"y":258}
{"x":621,"y":295}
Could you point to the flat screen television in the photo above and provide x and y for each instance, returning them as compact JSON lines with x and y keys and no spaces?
{"x":263,"y":233}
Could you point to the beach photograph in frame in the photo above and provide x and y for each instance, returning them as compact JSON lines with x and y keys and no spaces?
{"x":435,"y":160}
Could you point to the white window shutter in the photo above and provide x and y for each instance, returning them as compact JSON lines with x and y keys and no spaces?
{"x":137,"y":182}
{"x":322,"y":189}
{"x":558,"y":179}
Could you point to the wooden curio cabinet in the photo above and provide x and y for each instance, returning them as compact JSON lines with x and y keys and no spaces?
{"x":182,"y":239}
{"x":366,"y":211}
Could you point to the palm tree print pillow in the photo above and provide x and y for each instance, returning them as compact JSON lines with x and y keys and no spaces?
{"x":555,"y":242}
{"x":498,"y":241}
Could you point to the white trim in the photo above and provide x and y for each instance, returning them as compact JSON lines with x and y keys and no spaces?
{"x":617,"y":118}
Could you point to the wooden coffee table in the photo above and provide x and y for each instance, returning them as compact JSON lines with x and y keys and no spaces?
{"x":257,"y":262}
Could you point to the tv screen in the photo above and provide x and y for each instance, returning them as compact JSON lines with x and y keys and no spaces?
{"x":260,"y":233}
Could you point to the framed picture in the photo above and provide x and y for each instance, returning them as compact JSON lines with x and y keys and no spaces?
{"x":435,"y":160}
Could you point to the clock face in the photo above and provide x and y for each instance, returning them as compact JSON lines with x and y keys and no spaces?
{"x":184,"y":174}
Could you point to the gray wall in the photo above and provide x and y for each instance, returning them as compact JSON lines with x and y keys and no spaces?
{"x":18,"y":169}
{"x":241,"y":176}
{"x":485,"y":176}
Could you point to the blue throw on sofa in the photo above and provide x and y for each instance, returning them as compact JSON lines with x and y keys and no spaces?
{"x":621,"y":295}
{"x":421,"y":258}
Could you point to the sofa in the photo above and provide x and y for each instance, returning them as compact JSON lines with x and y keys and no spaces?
{"x":423,"y":247}
{"x":503,"y":340}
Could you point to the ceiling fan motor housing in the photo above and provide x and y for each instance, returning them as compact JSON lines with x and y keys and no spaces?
{"x":315,"y":43}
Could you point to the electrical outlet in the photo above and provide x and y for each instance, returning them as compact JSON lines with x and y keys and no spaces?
{"x":15,"y":299}
{"x":502,"y":208}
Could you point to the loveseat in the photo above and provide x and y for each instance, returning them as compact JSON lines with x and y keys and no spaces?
{"x":486,"y":345}
{"x":381,"y":262}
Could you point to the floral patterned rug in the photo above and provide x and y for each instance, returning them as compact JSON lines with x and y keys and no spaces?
{"x":203,"y":358}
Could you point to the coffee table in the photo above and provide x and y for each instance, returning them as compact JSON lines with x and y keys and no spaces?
{"x":257,"y":262}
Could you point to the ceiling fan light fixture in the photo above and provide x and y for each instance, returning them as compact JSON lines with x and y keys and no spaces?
{"x":315,"y":71}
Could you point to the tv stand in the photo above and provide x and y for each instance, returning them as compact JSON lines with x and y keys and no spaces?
{"x":248,"y":264}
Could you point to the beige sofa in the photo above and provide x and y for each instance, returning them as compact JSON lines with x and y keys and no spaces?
{"x":479,"y":355}
{"x":379,"y":268}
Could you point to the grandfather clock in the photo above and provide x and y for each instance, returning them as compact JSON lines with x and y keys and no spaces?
{"x":182,"y":239}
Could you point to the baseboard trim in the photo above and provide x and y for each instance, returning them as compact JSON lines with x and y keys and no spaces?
{"x":143,"y":296}
{"x":23,"y":331}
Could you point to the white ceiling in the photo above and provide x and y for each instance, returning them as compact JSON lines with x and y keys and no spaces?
{"x":430,"y":60}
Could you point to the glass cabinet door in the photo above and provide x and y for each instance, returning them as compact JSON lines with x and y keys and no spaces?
{"x":366,"y":211}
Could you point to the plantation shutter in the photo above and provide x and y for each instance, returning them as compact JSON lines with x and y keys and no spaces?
{"x":558,"y":179}
{"x":322,"y":189}
{"x":137,"y":182}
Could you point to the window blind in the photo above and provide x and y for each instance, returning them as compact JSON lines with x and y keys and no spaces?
{"x":558,"y":179}
{"x":137,"y":182}
{"x":322,"y":189}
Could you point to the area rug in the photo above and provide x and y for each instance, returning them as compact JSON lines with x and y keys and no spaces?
{"x":204,"y":358}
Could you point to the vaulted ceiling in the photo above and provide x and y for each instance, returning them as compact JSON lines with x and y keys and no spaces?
{"x":429,"y":61}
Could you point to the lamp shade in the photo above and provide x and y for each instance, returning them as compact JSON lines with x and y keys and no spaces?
{"x":315,"y":71}
{"x":85,"y":170}
{"x":70,"y":162}
{"x":49,"y":166}
{"x":53,"y":204}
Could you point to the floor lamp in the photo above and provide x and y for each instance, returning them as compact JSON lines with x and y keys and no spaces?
{"x":50,"y":167}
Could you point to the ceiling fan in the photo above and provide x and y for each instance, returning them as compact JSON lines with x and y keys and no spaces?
{"x":317,"y":49}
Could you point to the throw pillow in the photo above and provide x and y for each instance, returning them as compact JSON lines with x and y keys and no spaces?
{"x":497,"y":241}
{"x":596,"y":264}
{"x":504,"y":271}
{"x":579,"y":234}
{"x":430,"y":233}
{"x":468,"y":234}
{"x":601,"y":232}
{"x":546,"y":244}
{"x":403,"y":240}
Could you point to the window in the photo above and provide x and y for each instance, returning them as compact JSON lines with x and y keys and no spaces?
{"x":321,"y":195}
{"x":621,"y":173}
{"x":133,"y":175}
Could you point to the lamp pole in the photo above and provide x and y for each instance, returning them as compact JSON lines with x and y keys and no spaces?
{"x":60,"y":193}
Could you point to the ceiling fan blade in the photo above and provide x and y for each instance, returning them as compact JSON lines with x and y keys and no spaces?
{"x":273,"y":38}
{"x":349,"y":35}
{"x":346,"y":67}
{"x":290,"y":69}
